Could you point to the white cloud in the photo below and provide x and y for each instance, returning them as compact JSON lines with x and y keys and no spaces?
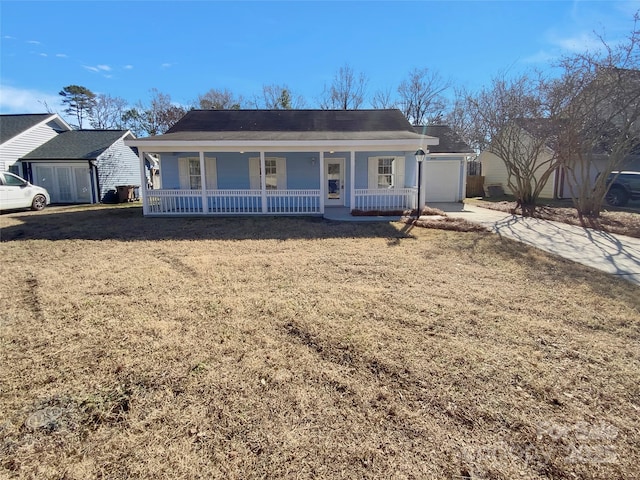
{"x":166,"y":65}
{"x":98,"y":69}
{"x":61,"y":55}
{"x":9,"y":37}
{"x":23,"y":100}
{"x":128,"y":67}
{"x":542,"y":56}
{"x":34,"y":42}
{"x":43,"y":54}
{"x":580,"y":42}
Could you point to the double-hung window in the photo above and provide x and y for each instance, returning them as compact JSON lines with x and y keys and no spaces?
{"x":386,"y":172}
{"x":275,"y":173}
{"x":191,"y":176}
{"x":271,"y":173}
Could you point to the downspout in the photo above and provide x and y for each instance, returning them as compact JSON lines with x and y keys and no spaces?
{"x":95,"y":182}
{"x":27,"y":172}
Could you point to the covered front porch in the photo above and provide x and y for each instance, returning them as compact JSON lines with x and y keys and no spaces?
{"x":279,"y":182}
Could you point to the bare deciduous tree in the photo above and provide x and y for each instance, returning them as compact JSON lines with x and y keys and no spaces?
{"x":595,"y":105}
{"x":421,"y":96}
{"x":219,"y":100}
{"x":155,"y":118}
{"x":463,"y":119}
{"x":511,"y":115}
{"x":346,"y":92}
{"x":279,"y":97}
{"x":383,"y":99}
{"x":107,"y":112}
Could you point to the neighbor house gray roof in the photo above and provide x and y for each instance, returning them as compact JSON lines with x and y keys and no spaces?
{"x":76,"y":145}
{"x":450,"y":141}
{"x":13,"y":125}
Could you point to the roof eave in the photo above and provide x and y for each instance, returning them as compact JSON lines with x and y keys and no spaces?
{"x":287,"y":145}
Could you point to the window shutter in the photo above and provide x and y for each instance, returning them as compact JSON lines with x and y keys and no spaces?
{"x":281,"y":173}
{"x":183,"y":172}
{"x":212,"y":173}
{"x":254,"y":173}
{"x":373,"y":172}
{"x":398,"y":172}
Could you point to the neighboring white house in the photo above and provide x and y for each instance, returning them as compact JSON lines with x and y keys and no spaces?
{"x":558,"y":184}
{"x":21,"y":134}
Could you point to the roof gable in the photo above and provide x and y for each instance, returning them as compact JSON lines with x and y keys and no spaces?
{"x":450,"y":141}
{"x":292,"y":121}
{"x":77,"y":145}
{"x":13,"y":125}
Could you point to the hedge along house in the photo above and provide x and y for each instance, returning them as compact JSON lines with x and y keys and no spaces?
{"x":283,"y":162}
{"x":82,"y":166}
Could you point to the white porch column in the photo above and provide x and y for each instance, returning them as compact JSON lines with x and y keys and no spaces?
{"x":352,"y":181}
{"x":143,"y":187}
{"x":263,"y":182}
{"x":322,"y":182}
{"x":203,"y":184}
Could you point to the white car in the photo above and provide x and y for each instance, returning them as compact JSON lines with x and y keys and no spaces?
{"x":16,"y":192}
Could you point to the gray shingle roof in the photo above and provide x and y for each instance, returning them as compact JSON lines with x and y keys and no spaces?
{"x":76,"y":145}
{"x":292,"y":121}
{"x":450,"y":142}
{"x":12,"y":125}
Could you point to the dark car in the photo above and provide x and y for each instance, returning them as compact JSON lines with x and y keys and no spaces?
{"x":623,"y":186}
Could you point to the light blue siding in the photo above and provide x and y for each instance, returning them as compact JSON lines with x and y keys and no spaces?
{"x":302,"y":173}
{"x":233,"y":169}
{"x":362,"y":167}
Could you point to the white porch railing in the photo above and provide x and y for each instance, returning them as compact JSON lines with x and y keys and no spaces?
{"x":221,"y":202}
{"x":385,"y":198}
{"x":293,"y":201}
{"x":282,"y":202}
{"x":174,"y":201}
{"x":234,"y":201}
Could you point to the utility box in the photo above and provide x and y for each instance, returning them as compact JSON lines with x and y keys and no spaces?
{"x":126,"y":193}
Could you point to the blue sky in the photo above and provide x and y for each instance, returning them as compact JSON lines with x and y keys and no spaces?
{"x":185,"y":48}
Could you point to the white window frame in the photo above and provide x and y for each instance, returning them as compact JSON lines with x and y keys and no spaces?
{"x":395,"y":177}
{"x":193,"y":181}
{"x":386,"y":172}
{"x":276,"y":173}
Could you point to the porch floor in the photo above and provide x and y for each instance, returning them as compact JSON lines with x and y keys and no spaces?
{"x":343,"y":214}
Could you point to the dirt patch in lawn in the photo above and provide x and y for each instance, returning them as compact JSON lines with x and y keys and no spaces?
{"x":250,"y":348}
{"x":619,"y":222}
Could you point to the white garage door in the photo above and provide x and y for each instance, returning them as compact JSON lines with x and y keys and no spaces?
{"x":65,"y":183}
{"x":441,"y":180}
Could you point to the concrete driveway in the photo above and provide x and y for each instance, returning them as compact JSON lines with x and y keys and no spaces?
{"x":615,"y":254}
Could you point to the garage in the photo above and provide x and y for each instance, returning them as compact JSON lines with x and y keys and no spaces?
{"x":443,"y":180}
{"x":66,"y":183}
{"x":444,"y":171}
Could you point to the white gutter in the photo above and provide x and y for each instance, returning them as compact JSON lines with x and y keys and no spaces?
{"x":279,"y":146}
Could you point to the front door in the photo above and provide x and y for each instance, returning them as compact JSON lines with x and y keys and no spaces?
{"x":334,"y":181}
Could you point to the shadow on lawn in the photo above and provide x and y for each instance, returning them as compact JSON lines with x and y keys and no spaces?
{"x":128,"y":224}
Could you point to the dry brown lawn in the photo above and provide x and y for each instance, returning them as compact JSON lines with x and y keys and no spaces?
{"x":252,"y":348}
